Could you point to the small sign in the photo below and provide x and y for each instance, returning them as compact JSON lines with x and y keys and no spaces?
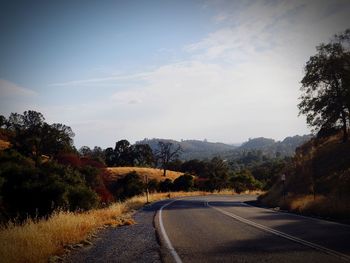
{"x":283,"y":177}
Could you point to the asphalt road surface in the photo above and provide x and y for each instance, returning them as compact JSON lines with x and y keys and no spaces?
{"x":225,"y":229}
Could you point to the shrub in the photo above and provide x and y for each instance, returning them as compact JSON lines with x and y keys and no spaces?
{"x":183,"y":183}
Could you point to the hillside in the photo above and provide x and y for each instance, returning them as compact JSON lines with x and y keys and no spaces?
{"x":317,"y":180}
{"x":271,"y":147}
{"x":193,"y":149}
{"x":117,"y":172}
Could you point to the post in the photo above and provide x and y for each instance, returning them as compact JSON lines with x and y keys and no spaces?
{"x":147,"y":192}
{"x":283,"y":179}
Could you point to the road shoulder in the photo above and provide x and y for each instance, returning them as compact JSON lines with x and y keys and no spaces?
{"x":133,"y":243}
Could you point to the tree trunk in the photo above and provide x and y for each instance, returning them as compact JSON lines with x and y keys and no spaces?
{"x":345,"y":128}
{"x":164,"y":171}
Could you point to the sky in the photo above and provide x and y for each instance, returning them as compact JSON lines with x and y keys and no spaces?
{"x":219,"y":70}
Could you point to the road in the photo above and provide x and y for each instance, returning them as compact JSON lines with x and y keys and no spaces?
{"x":225,"y":229}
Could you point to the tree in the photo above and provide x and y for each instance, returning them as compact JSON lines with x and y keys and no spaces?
{"x":110,"y":158}
{"x":123,"y":153}
{"x":183,"y":183}
{"x":326,"y":86}
{"x":165,"y":153}
{"x":85,"y":151}
{"x":3,"y":121}
{"x":218,"y":174}
{"x":143,"y":155}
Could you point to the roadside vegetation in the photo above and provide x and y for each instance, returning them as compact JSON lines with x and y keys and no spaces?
{"x":318,"y":176}
{"x":37,"y":240}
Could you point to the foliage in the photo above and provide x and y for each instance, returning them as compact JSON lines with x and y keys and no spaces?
{"x":125,"y":154}
{"x":244,"y":180}
{"x":127,"y":186}
{"x":166,"y":185}
{"x":42,"y":172}
{"x":183,"y":183}
{"x":326,"y":86}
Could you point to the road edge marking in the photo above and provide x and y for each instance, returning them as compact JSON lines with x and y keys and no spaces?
{"x":165,"y":235}
{"x":284,"y":235}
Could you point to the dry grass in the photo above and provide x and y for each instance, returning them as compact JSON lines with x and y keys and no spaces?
{"x":36,"y":241}
{"x":152,"y":173}
{"x":4,"y":144}
{"x":320,"y":205}
{"x":331,"y":206}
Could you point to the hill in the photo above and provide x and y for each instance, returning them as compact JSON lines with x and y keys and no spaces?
{"x":193,"y":149}
{"x":117,"y":172}
{"x":317,"y":179}
{"x":271,"y":147}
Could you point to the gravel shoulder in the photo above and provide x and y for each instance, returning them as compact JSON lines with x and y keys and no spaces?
{"x":133,"y":243}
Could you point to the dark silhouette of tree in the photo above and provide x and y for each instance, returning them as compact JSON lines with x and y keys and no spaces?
{"x":123,"y":153}
{"x":218,"y":174}
{"x":326,"y":86}
{"x":34,"y":137}
{"x":85,"y":151}
{"x":3,"y":121}
{"x":110,"y":156}
{"x":165,"y":153}
{"x":183,"y":183}
{"x":143,"y":155}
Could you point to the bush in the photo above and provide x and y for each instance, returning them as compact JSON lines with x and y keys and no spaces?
{"x":82,"y":198}
{"x":183,"y":183}
{"x":128,"y":186}
{"x":166,"y":185}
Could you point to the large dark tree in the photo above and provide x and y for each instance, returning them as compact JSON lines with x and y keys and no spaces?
{"x":123,"y":153}
{"x":166,"y":153}
{"x":143,"y":155}
{"x":326,"y":86}
{"x":34,"y":137}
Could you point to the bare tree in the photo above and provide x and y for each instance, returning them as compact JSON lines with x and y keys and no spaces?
{"x":166,"y":153}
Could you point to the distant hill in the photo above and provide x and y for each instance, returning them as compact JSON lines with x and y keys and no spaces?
{"x":272,"y":148}
{"x":195,"y":149}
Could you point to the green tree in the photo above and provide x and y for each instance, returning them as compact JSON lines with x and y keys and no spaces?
{"x":326,"y":86}
{"x":143,"y":155}
{"x":183,"y":183}
{"x":123,"y":153}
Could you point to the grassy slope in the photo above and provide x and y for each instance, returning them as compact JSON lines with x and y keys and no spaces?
{"x":142,"y":171}
{"x":318,"y":182}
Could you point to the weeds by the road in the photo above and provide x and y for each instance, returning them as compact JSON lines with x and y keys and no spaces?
{"x":37,"y":240}
{"x":331,"y":206}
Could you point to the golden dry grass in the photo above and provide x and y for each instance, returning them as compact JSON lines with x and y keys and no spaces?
{"x":152,"y":173}
{"x":36,"y":241}
{"x":4,"y":144}
{"x":320,"y":205}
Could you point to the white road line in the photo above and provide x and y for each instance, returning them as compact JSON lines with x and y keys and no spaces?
{"x":284,"y":235}
{"x":165,"y":236}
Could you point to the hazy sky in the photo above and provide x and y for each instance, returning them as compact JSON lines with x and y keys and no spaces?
{"x":220,"y":70}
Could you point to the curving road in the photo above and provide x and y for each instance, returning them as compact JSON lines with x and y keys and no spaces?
{"x":225,"y":229}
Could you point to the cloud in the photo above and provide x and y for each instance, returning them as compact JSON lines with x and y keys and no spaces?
{"x":93,"y":81}
{"x":9,"y":89}
{"x":263,"y":26}
{"x":240,"y":81}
